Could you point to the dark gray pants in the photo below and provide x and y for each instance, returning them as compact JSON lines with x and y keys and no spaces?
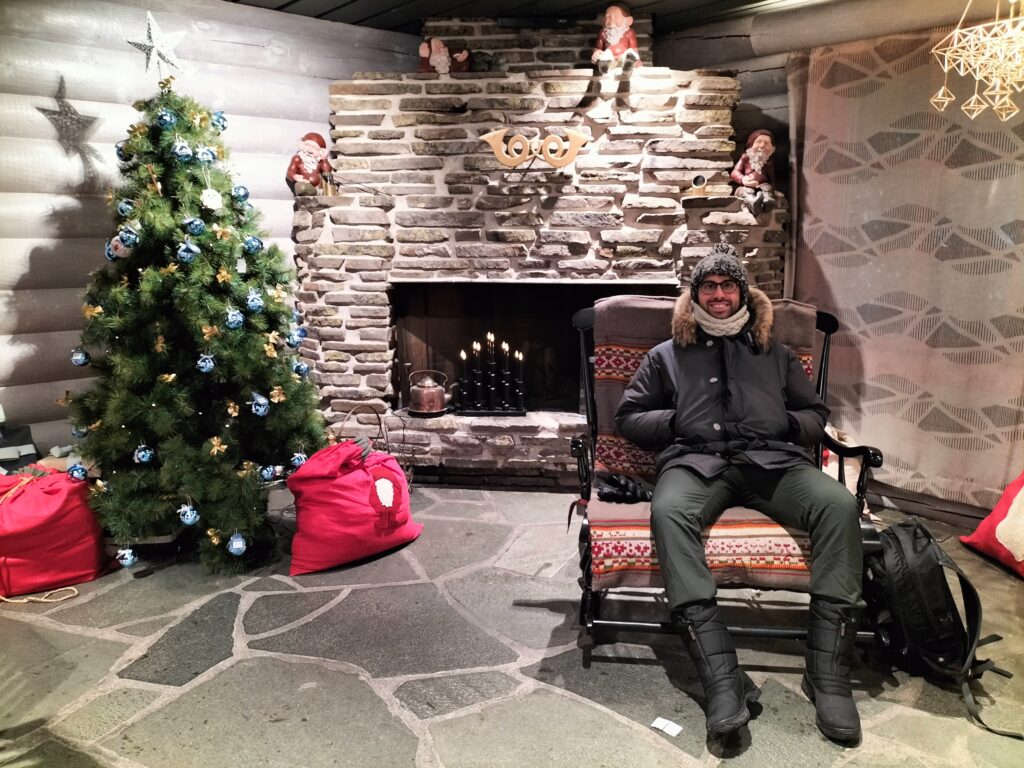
{"x":801,"y":497}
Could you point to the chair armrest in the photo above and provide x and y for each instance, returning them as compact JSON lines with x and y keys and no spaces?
{"x":868,"y":454}
{"x":581,"y":449}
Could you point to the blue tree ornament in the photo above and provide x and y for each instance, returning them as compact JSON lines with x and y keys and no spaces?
{"x":109,"y":252}
{"x":206,"y":364}
{"x":181,"y":150}
{"x":143,"y":454}
{"x":194,"y":226}
{"x":260,"y":404}
{"x":127,"y":557}
{"x":296,"y":316}
{"x":298,"y":459}
{"x":240,"y":193}
{"x":78,"y":432}
{"x":254,"y":300}
{"x":293,"y":339}
{"x":303,"y":333}
{"x":252,"y":245}
{"x":80,"y":357}
{"x":166,"y":119}
{"x":206,"y":155}
{"x":125,"y":208}
{"x":218,"y":121}
{"x":234,"y":319}
{"x":187,"y":514}
{"x":268,"y":472}
{"x":77,"y":472}
{"x":236,"y":545}
{"x":121,"y":150}
{"x":128,"y":236}
{"x":187,"y":252}
{"x":301,"y":368}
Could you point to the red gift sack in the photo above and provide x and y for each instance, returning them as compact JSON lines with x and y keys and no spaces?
{"x":348,"y":508}
{"x":1001,"y":534}
{"x":49,"y":537}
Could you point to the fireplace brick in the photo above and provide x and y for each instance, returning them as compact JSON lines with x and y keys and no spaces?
{"x":624,"y":210}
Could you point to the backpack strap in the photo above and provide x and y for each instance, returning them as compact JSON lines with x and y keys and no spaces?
{"x":973,"y":668}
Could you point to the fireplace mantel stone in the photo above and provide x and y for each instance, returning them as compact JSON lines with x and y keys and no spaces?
{"x":420,"y":198}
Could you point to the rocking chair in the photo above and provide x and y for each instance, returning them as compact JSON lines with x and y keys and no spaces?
{"x":745,"y":548}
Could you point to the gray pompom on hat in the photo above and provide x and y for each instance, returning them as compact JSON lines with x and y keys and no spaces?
{"x":723,"y":260}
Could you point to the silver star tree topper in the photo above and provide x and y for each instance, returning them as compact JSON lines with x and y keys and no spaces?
{"x":159,"y":47}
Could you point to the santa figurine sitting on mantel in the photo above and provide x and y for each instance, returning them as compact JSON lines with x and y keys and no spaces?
{"x":434,"y":57}
{"x":755,"y":173}
{"x":309,"y":165}
{"x":616,"y":44}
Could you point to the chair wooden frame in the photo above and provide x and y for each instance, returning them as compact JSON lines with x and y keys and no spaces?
{"x":583,"y":449}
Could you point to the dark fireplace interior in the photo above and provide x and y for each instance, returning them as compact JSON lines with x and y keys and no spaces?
{"x":435,"y":321}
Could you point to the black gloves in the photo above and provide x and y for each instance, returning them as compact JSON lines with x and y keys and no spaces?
{"x":623,"y":489}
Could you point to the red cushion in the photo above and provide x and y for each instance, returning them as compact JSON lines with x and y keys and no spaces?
{"x":348,"y":508}
{"x":1001,"y":534}
{"x":49,"y":537}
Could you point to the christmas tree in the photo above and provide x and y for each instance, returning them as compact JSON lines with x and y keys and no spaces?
{"x":201,"y":400}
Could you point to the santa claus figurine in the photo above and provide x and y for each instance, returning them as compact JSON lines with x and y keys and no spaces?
{"x":308,"y":165}
{"x":434,"y":57}
{"x":755,"y":174}
{"x":616,"y":43}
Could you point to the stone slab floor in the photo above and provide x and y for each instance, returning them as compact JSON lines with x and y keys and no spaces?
{"x":459,"y":650}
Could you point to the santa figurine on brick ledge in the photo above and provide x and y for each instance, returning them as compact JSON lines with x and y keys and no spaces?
{"x":309,"y":165}
{"x":616,"y":44}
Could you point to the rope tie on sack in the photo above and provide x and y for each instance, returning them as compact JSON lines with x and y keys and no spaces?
{"x":25,"y":480}
{"x":46,"y":598}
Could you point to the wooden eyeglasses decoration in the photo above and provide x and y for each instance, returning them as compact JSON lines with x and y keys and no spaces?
{"x":553,"y":149}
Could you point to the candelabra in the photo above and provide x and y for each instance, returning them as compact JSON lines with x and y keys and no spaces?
{"x":491,"y":383}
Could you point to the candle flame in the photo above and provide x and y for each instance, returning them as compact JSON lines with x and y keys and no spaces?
{"x":462,"y":354}
{"x":504,"y":346}
{"x":490,"y":337}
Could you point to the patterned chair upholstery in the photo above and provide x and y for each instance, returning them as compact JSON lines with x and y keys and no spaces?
{"x":744,"y":548}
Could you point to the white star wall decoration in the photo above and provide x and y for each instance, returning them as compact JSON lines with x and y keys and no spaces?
{"x":158,"y":47}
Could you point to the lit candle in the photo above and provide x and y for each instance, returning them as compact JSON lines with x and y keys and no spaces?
{"x":465,"y":364}
{"x":504,"y":348}
{"x":476,"y":355}
{"x":490,"y":346}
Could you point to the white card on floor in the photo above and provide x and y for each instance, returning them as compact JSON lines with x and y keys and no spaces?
{"x":667,"y":726}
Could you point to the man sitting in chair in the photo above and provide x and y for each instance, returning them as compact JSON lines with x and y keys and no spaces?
{"x":734,"y":417}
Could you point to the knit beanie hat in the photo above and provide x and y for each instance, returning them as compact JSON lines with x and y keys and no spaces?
{"x":723,"y":260}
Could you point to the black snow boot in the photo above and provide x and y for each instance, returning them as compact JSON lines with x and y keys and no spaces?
{"x":728,"y":689}
{"x":830,"y":638}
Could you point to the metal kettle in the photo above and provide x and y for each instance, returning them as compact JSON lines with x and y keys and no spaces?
{"x":427,"y":396}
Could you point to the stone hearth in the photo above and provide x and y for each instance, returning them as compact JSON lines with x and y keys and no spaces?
{"x":420,"y":198}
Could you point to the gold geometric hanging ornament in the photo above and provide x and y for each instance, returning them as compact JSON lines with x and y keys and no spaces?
{"x":992,"y":54}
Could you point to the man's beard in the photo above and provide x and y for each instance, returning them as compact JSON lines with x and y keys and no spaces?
{"x":758,"y":159}
{"x":440,"y":62}
{"x":615,"y":33}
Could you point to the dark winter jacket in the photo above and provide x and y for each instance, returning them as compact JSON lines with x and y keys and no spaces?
{"x":704,"y":401}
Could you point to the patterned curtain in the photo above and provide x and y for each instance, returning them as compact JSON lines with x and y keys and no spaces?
{"x":911,"y":230}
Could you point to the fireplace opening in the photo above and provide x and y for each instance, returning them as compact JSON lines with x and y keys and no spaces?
{"x":436,"y":321}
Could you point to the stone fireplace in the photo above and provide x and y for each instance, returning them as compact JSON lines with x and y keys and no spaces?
{"x":425,"y":223}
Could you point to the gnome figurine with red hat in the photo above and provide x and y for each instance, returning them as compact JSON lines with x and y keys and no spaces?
{"x":755,"y":174}
{"x":309,"y":163}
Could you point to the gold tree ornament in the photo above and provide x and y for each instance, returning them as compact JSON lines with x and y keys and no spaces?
{"x":279,"y":294}
{"x":209,"y":331}
{"x":137,"y":129}
{"x":277,"y":395}
{"x":95,"y":425}
{"x":222,"y":233}
{"x":99,"y":487}
{"x":201,"y":119}
{"x":166,"y":83}
{"x":248,"y":468}
{"x":223,"y":275}
{"x":270,"y":350}
{"x":217,"y":446}
{"x":90,"y":311}
{"x":214,"y":536}
{"x":167,"y":378}
{"x":65,"y":401}
{"x":170,"y":269}
{"x":161,"y":345}
{"x":273,"y":337}
{"x":232,"y":408}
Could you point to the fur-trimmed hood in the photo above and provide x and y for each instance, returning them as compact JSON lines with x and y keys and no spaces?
{"x":684,"y":324}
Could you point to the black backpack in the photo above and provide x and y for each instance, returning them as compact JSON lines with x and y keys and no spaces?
{"x":916,"y":618}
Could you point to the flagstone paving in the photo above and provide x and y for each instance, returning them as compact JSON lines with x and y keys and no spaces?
{"x":461,"y":649}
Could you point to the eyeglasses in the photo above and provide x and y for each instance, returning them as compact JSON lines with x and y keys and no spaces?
{"x":710,"y":286}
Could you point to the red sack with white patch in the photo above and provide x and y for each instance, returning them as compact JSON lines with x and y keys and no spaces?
{"x":348,"y":508}
{"x":49,"y":537}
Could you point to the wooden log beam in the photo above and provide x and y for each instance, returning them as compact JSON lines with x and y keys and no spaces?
{"x":804,"y":27}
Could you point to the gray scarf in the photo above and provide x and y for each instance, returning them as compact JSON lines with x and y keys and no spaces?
{"x":712,"y":326}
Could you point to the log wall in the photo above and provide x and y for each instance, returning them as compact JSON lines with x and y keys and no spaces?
{"x":268,"y":71}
